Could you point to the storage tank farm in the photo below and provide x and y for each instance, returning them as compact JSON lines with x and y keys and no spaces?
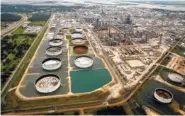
{"x":50,"y":82}
{"x":82,"y":61}
{"x":77,"y":37}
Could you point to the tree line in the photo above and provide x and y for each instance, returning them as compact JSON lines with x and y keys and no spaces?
{"x":39,"y":17}
{"x":7,"y":17}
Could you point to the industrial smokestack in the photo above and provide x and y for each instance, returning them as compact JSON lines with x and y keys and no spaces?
{"x":160,"y":39}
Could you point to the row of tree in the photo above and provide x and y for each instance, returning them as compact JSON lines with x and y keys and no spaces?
{"x":35,"y":8}
{"x":39,"y":17}
{"x":7,"y":17}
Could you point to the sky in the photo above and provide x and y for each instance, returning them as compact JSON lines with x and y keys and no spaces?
{"x":77,"y":1}
{"x":83,"y":0}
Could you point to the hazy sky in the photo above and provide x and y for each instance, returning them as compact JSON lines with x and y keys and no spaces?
{"x":84,"y":0}
{"x":77,"y":1}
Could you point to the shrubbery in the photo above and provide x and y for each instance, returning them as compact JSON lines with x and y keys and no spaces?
{"x":13,"y":49}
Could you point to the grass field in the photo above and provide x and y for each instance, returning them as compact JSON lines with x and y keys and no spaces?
{"x":19,"y":30}
{"x":13,"y":101}
{"x":38,"y":23}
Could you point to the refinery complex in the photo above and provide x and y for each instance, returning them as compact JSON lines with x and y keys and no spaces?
{"x":102,"y":56}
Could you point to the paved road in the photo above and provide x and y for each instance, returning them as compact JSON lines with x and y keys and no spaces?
{"x":14,"y":26}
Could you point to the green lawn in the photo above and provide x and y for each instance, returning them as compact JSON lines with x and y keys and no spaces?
{"x":20,"y":39}
{"x":14,"y":101}
{"x":38,"y":23}
{"x":19,"y":30}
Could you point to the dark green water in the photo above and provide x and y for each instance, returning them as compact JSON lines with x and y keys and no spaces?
{"x":89,"y":80}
